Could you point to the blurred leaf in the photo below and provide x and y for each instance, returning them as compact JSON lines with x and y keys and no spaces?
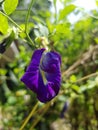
{"x":75,"y":88}
{"x":3,"y":24}
{"x":44,"y":14}
{"x":50,"y":26}
{"x":63,"y":29}
{"x":20,"y":92}
{"x":67,"y":10}
{"x":96,"y":39}
{"x":90,"y":85}
{"x":37,"y":19}
{"x":96,"y":2}
{"x":2,"y":71}
{"x":73,"y":79}
{"x":9,"y":6}
{"x":41,"y":30}
{"x":12,"y":100}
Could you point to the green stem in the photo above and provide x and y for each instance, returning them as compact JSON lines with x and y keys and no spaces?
{"x":26,"y":21}
{"x":55,"y":7}
{"x":46,"y":107}
{"x":29,"y":116}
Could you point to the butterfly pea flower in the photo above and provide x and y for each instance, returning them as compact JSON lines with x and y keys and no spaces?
{"x":43,"y":66}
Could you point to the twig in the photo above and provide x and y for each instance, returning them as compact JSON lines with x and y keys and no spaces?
{"x":38,"y":119}
{"x":86,"y":77}
{"x":5,"y":57}
{"x":29,"y":116}
{"x":82,"y":60}
{"x":26,"y":21}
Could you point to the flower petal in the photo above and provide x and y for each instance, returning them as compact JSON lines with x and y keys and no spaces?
{"x":51,"y":65}
{"x":31,"y":76}
{"x":50,"y":62}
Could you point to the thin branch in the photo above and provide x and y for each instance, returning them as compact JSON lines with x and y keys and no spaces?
{"x":5,"y":77}
{"x":80,"y":61}
{"x":5,"y":57}
{"x":29,"y":116}
{"x":55,"y":7}
{"x":39,"y":118}
{"x":26,"y":21}
{"x":86,"y":77}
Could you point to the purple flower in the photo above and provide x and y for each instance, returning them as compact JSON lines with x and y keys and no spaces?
{"x":43,"y":66}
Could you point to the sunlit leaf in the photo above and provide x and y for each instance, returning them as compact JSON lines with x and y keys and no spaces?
{"x":97,"y":2}
{"x":96,"y":40}
{"x":9,"y":6}
{"x":67,"y":10}
{"x":75,"y":88}
{"x":3,"y":24}
{"x":2,"y":71}
{"x":73,"y":78}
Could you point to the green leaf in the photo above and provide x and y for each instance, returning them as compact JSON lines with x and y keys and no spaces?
{"x":12,"y":100}
{"x":9,"y":6}
{"x":73,"y":79}
{"x":3,"y":24}
{"x":2,"y":71}
{"x":75,"y":88}
{"x":96,"y":40}
{"x":97,"y":2}
{"x":67,"y":10}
